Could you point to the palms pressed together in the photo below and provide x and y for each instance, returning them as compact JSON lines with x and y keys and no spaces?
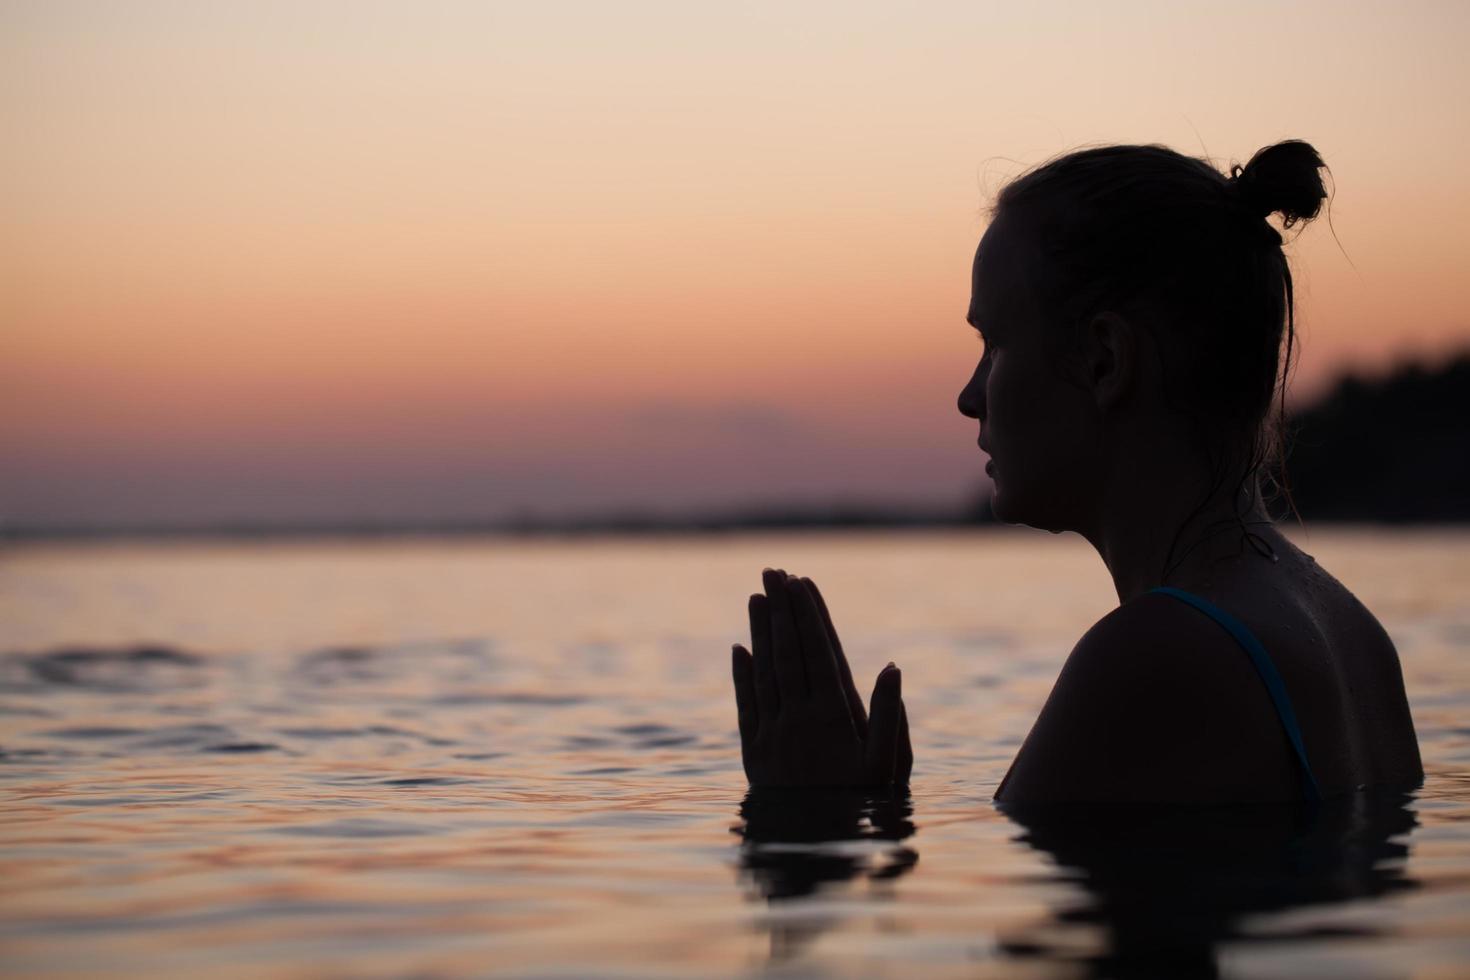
{"x":802,"y":721}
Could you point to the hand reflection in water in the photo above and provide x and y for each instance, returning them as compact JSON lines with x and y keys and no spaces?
{"x":794,"y":842}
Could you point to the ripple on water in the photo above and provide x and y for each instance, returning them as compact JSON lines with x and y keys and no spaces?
{"x":241,"y":748}
{"x":184,"y":737}
{"x":92,"y":732}
{"x":604,"y":771}
{"x":412,"y":781}
{"x":329,"y":668}
{"x":355,"y":828}
{"x":341,"y":665}
{"x":327,"y":732}
{"x":202,"y":737}
{"x":25,"y":711}
{"x":528,"y":698}
{"x":635,"y":738}
{"x":138,"y":799}
{"x":114,"y":670}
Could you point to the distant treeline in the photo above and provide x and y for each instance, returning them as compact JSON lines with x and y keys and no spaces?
{"x":1395,"y":449}
{"x":835,"y":517}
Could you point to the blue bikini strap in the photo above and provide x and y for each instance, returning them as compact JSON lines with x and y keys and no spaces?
{"x":1268,"y":673}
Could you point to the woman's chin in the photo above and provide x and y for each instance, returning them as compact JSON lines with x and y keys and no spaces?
{"x":1000,"y":509}
{"x":1005,"y":510}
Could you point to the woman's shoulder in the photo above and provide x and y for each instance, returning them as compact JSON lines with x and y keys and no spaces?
{"x":1155,"y":702}
{"x":1161,"y":700}
{"x":1155,"y":638}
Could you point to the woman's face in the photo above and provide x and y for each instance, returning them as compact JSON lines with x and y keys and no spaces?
{"x":1036,"y":426}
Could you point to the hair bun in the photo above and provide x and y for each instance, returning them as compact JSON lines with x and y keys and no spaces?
{"x":1284,"y":178}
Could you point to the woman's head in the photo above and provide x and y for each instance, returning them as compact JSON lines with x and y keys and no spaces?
{"x":1178,"y":250}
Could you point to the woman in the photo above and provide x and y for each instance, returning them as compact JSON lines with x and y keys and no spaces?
{"x":1133,"y":304}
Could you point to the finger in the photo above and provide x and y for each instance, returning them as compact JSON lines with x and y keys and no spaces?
{"x":767,"y":699}
{"x":884,"y":715}
{"x":816,"y":649}
{"x":903,"y":764}
{"x":844,"y":672}
{"x":785,"y":645}
{"x":745,"y":700}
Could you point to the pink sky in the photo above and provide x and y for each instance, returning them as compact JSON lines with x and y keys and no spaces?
{"x":286,"y":262}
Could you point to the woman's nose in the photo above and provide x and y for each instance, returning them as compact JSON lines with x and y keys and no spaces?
{"x":972,"y":396}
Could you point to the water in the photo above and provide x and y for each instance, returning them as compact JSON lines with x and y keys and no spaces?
{"x":426,"y":759}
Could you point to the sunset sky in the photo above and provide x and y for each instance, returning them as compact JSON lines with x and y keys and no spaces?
{"x":294,"y":262}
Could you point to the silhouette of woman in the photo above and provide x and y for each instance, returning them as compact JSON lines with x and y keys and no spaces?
{"x":1133,"y":303}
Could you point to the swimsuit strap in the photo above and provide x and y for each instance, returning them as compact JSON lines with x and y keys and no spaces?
{"x":1268,"y":673}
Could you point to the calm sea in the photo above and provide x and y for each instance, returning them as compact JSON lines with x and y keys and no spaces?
{"x":488,"y":757}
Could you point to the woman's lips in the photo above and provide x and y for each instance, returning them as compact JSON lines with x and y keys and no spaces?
{"x":990,"y":467}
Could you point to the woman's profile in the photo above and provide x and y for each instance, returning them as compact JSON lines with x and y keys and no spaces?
{"x":1136,"y":310}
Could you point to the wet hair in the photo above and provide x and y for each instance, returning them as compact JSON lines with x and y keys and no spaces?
{"x":1188,"y":253}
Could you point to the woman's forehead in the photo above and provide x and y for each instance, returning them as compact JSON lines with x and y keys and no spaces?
{"x":996,"y":270}
{"x":1000,"y":246}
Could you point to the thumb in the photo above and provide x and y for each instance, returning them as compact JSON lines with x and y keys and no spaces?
{"x":903,"y":764}
{"x":885,"y":713}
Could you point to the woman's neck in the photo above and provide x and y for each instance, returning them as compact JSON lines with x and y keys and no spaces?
{"x":1157,"y":533}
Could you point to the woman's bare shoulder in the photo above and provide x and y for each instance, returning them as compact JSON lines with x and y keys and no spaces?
{"x":1376,"y":717}
{"x":1155,"y":702}
{"x":1167,"y":662}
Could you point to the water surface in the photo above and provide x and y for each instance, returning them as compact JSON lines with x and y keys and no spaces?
{"x":463,"y":758}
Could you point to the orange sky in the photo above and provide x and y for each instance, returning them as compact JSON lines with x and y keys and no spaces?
{"x":286,"y":261}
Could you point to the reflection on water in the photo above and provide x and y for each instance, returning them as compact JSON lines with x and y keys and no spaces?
{"x":798,"y":841}
{"x":488,"y":757}
{"x":1162,"y":888}
{"x":1168,"y":886}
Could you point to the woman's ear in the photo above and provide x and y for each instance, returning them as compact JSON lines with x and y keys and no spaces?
{"x":1110,"y":348}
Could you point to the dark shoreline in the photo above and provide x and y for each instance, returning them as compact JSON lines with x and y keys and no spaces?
{"x":520,"y":528}
{"x":514,"y":531}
